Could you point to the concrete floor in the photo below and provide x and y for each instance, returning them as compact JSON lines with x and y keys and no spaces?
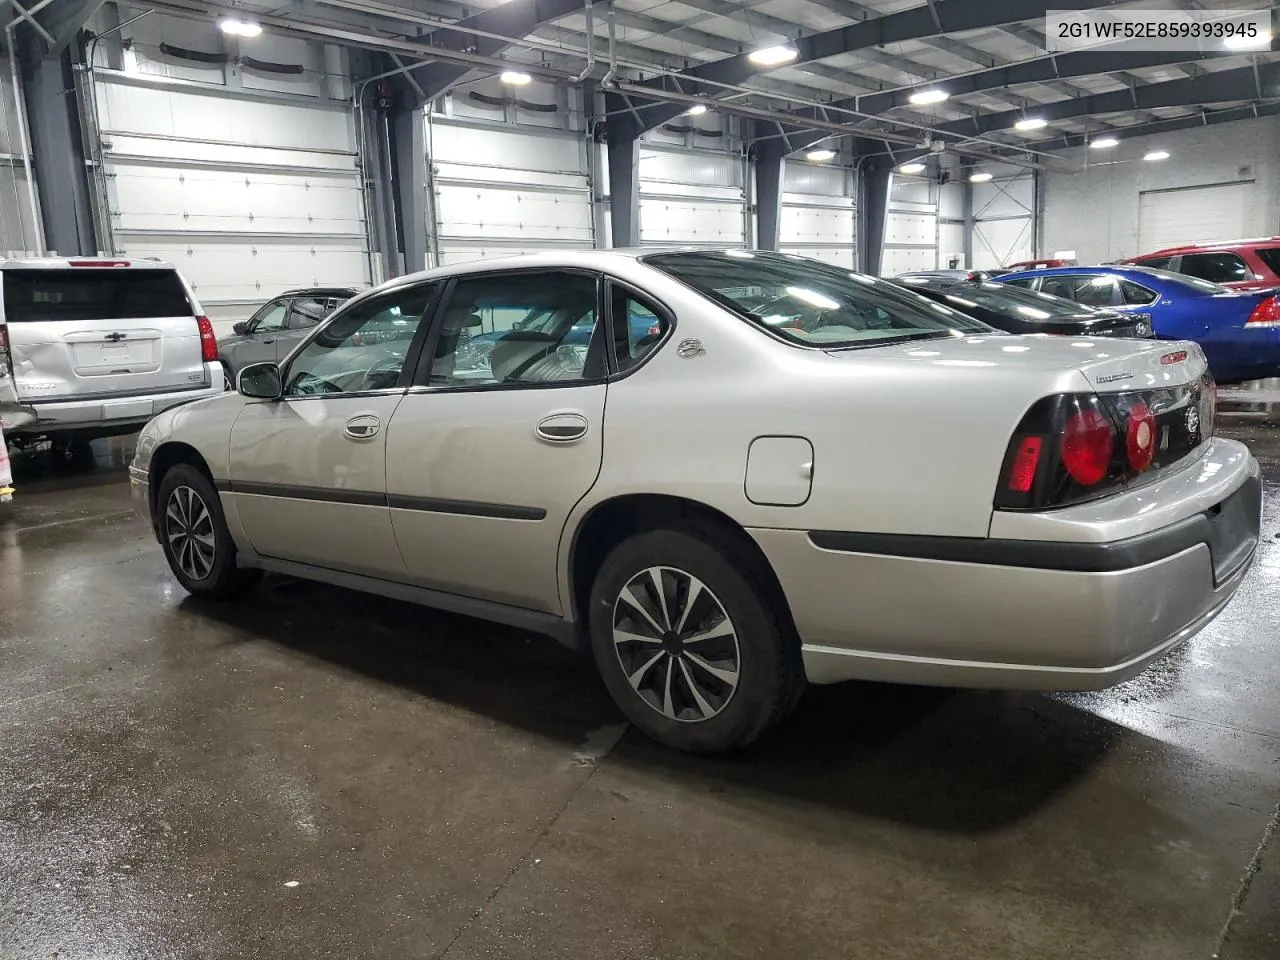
{"x":317,"y":773}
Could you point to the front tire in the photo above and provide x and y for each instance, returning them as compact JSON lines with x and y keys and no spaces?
{"x":689,"y":644}
{"x":194,"y":535}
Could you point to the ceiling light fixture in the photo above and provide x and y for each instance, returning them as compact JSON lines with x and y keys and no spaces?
{"x":912,"y":168}
{"x":979,"y":177}
{"x":1104,"y":143}
{"x":1157,"y":155}
{"x":1239,"y":42}
{"x":820,"y":155}
{"x":1031,"y":123}
{"x":773,"y":56}
{"x":697,"y":110}
{"x":514,"y":78}
{"x":239,"y":28}
{"x":923,"y":97}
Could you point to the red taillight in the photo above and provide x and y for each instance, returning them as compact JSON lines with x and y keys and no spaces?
{"x":1023,"y":471}
{"x":1140,"y":437}
{"x":1087,"y":443}
{"x":208,"y":342}
{"x":1265,"y":314}
{"x":98,"y":263}
{"x":655,"y":331}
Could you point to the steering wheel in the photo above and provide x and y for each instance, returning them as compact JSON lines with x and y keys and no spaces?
{"x":380,"y":368}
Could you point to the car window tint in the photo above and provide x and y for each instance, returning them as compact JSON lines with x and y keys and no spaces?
{"x":1157,"y":263}
{"x":308,"y":311}
{"x":1215,"y":267}
{"x":1271,"y":257}
{"x":1134,"y":294}
{"x":1018,"y":303}
{"x":363,"y":350}
{"x":517,"y":328}
{"x":1025,"y":283}
{"x":93,"y":294}
{"x":637,"y":329}
{"x":271,"y":317}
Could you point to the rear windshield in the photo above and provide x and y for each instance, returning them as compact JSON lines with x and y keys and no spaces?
{"x":102,"y":293}
{"x":1013,"y":301}
{"x":1271,"y":257}
{"x":1204,"y":286}
{"x":813,"y":303}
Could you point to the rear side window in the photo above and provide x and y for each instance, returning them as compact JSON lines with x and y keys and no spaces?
{"x":1271,"y":257}
{"x":102,"y":293}
{"x":1216,"y":267}
{"x":1157,"y":263}
{"x":1135,"y":294}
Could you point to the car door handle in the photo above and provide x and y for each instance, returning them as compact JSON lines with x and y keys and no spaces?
{"x":364,"y":427}
{"x":269,"y":340}
{"x":562,"y":427}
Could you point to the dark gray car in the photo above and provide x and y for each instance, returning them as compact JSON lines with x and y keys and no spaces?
{"x":279,"y":326}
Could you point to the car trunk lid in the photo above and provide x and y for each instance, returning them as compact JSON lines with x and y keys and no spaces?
{"x":83,"y":331}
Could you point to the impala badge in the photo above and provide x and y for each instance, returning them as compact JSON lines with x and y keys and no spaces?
{"x":690,"y":348}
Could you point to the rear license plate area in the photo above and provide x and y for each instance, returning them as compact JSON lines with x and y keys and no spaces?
{"x":1233,"y":529}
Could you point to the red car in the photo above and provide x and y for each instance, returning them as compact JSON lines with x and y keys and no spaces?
{"x":1044,"y":264}
{"x":1239,"y":264}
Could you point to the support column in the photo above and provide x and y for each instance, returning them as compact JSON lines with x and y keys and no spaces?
{"x":408,"y":152}
{"x":769,"y":161}
{"x":57,"y":155}
{"x":873,"y":213}
{"x":624,"y":186}
{"x":967,"y":230}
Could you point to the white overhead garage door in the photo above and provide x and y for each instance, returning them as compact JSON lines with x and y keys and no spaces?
{"x":1169,"y":218}
{"x":248,"y":197}
{"x":691,"y":198}
{"x":501,"y":191}
{"x":818,"y":212}
{"x":911,"y":228}
{"x":17,"y":235}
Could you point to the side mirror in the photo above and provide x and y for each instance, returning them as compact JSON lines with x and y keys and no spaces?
{"x":260,"y":381}
{"x":241,"y":328}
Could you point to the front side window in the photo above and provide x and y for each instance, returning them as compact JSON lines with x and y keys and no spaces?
{"x":1216,"y":267}
{"x":364,"y":349}
{"x":812,"y":303}
{"x":1089,"y":289}
{"x":517,"y":328}
{"x":308,"y":311}
{"x":270,"y":318}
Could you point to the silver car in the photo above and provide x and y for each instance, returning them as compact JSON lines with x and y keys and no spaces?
{"x":721,"y":508}
{"x":278,"y":326}
{"x":93,"y":347}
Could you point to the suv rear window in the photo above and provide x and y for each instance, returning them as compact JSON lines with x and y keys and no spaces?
{"x":1271,"y":257}
{"x":99,"y":293}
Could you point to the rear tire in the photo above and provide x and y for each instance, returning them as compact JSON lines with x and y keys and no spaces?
{"x":711,"y":666}
{"x":195,"y":539}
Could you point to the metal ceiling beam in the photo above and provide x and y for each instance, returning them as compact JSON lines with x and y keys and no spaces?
{"x":515,"y":19}
{"x":945,"y":16}
{"x":1184,"y":123}
{"x":1238,"y":84}
{"x":1043,"y":70}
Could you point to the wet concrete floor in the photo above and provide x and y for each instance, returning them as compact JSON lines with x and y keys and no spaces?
{"x":316,"y":773}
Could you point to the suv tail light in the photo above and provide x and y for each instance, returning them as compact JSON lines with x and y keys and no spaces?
{"x":1080,"y":446}
{"x":6,"y":362}
{"x":1265,"y":314}
{"x":208,"y":342}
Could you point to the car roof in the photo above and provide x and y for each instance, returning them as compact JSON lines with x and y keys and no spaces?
{"x":1208,"y":247}
{"x":72,"y":263}
{"x":319,"y":292}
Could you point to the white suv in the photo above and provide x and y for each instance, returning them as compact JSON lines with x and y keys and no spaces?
{"x":94,"y":347}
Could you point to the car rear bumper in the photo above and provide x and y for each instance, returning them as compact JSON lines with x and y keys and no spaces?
{"x":1052,"y":615}
{"x":140,"y":490}
{"x":101,"y":412}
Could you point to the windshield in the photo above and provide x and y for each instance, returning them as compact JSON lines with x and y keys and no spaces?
{"x":1013,"y":301}
{"x":813,"y":303}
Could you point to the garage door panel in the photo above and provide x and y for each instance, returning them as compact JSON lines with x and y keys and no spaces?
{"x":468,"y":211}
{"x":469,"y":145}
{"x":1222,"y":211}
{"x":691,"y":222}
{"x":252,"y":272}
{"x":476,"y":173}
{"x":913,"y":228}
{"x":816,"y":225}
{"x":693,"y":197}
{"x":201,"y":153}
{"x":897,"y":260}
{"x":840,"y":256}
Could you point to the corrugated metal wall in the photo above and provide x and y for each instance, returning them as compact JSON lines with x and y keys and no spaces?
{"x":818,"y":215}
{"x":507,"y":179}
{"x":17,"y":235}
{"x":248,"y":182}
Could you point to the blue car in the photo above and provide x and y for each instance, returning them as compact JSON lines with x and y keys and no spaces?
{"x":1238,"y":330}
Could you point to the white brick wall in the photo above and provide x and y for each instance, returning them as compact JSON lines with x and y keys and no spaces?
{"x":1095,"y":211}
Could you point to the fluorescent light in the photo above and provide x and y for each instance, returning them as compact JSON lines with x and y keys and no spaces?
{"x":819,"y":155}
{"x":1104,"y":143}
{"x":979,"y":177}
{"x":915,"y":167}
{"x":514,"y":78}
{"x":696,"y":110}
{"x":773,"y":56}
{"x":1157,"y":155}
{"x":923,"y":97}
{"x":1031,"y":123}
{"x":1248,"y":43}
{"x":239,"y":28}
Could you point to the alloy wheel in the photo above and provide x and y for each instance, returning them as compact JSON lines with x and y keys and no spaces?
{"x":188,"y":528}
{"x":676,"y":644}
